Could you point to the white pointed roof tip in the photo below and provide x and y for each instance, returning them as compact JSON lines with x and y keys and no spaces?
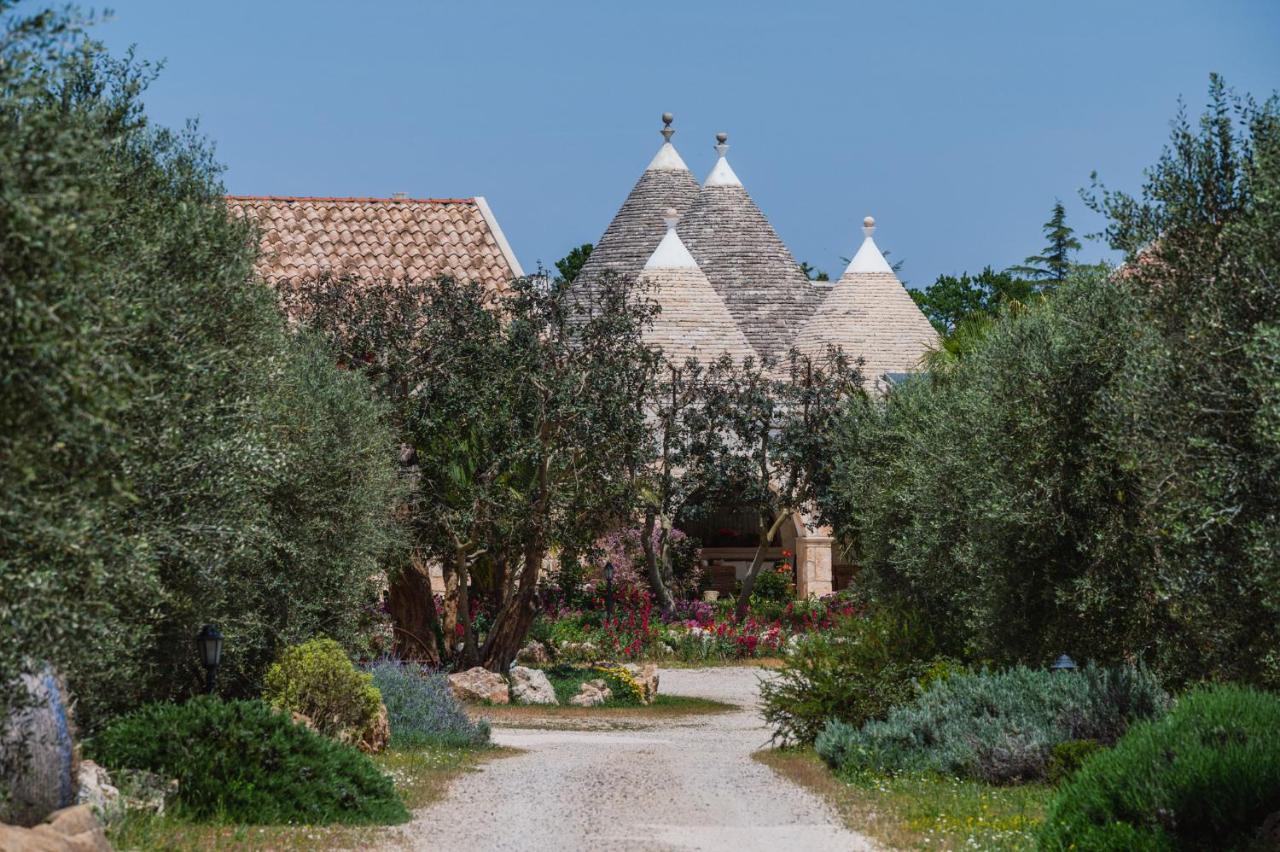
{"x":868,"y":258}
{"x":667,"y":159}
{"x":722,"y":173}
{"x":671,"y":252}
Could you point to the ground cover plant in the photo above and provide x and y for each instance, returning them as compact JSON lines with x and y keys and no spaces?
{"x":421,"y":709}
{"x":242,"y":761}
{"x":1205,"y":776}
{"x":921,"y":812}
{"x":999,"y":727}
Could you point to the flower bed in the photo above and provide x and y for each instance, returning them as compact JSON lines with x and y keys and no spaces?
{"x":695,"y":631}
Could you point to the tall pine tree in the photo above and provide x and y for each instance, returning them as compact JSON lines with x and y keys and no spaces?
{"x":1053,"y":263}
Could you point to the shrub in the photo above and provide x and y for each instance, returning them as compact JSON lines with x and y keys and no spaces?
{"x":1206,"y":776}
{"x":1065,"y":758}
{"x":422,"y":710}
{"x":243,"y":761}
{"x":998,"y":727}
{"x":858,"y":671}
{"x":317,"y":680}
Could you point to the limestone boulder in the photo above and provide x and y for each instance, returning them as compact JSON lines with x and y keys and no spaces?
{"x":94,"y":788}
{"x":534,"y":654}
{"x":480,"y":684}
{"x":645,"y":674}
{"x":73,"y":829}
{"x":531,"y":686}
{"x":146,"y":791}
{"x":592,"y":693}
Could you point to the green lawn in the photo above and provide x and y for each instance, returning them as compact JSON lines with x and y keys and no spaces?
{"x":921,"y":813}
{"x":422,"y":775}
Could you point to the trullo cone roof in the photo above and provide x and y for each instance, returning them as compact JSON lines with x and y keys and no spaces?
{"x":746,"y":262}
{"x":870,"y":315}
{"x":637,"y":227}
{"x":693,"y":322}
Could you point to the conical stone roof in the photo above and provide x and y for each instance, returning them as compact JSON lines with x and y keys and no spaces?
{"x":746,"y":261}
{"x":693,"y":321}
{"x":870,"y":315}
{"x":637,"y":227}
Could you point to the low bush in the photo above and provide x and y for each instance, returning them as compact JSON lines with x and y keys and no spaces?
{"x":422,"y":710}
{"x":998,"y":727}
{"x":243,"y":761}
{"x":859,"y":670}
{"x":318,"y":680}
{"x":1206,"y":776}
{"x":1066,"y":758}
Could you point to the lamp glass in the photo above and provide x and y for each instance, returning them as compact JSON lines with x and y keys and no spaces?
{"x":209,"y":642}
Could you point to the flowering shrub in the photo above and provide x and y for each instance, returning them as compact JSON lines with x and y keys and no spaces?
{"x":421,"y":709}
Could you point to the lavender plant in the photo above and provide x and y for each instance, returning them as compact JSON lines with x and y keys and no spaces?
{"x":421,"y":709}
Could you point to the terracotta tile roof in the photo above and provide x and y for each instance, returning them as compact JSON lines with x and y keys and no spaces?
{"x":400,"y":239}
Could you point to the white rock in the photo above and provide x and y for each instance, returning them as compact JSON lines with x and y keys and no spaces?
{"x":479,"y":684}
{"x":593,"y":693}
{"x":531,"y":686}
{"x":94,"y":788}
{"x":647,"y":676}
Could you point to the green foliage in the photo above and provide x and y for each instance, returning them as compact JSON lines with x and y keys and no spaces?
{"x":317,"y":680}
{"x":951,"y":301}
{"x":242,"y":761}
{"x":421,"y":709}
{"x":571,"y":264}
{"x":858,"y":671}
{"x":773,"y":586}
{"x":515,"y":423}
{"x":1206,"y":776}
{"x":997,"y":727}
{"x":173,"y":455}
{"x":1065,"y":758}
{"x":1098,"y":472}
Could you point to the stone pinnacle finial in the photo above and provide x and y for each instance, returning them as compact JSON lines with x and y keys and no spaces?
{"x":667,"y":129}
{"x":722,"y":143}
{"x":868,"y":226}
{"x":671,"y":217}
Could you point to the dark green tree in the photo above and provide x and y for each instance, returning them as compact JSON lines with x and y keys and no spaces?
{"x":1054,"y":261}
{"x":951,"y":300}
{"x":813,"y":273}
{"x":520,"y":425}
{"x":173,"y":455}
{"x":571,"y":264}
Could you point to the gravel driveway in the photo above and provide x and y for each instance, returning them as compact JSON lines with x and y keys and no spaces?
{"x":680,"y":783}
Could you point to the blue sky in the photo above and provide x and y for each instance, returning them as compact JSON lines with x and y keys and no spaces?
{"x":955,"y":124}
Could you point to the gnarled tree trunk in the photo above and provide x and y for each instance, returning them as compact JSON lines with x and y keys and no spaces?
{"x":413,"y":613}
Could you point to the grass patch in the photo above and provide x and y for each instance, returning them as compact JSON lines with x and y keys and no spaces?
{"x":921,"y":812}
{"x":547,"y":715}
{"x":421,"y":775}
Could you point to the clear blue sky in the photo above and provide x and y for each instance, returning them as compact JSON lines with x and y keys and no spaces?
{"x":955,"y":124}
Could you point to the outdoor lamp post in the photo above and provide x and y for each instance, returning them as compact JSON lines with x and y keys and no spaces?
{"x":1063,"y":664}
{"x":608,"y":589}
{"x":209,"y":643}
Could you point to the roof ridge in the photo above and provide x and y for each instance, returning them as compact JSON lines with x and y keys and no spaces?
{"x":350,"y":199}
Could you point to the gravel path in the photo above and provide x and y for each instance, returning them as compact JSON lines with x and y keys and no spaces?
{"x":671,"y":784}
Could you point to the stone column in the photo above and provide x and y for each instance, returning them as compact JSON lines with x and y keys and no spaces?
{"x":813,"y":564}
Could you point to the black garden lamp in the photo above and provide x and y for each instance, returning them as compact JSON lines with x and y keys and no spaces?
{"x":1063,"y":664}
{"x":209,"y":643}
{"x":608,"y":589}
